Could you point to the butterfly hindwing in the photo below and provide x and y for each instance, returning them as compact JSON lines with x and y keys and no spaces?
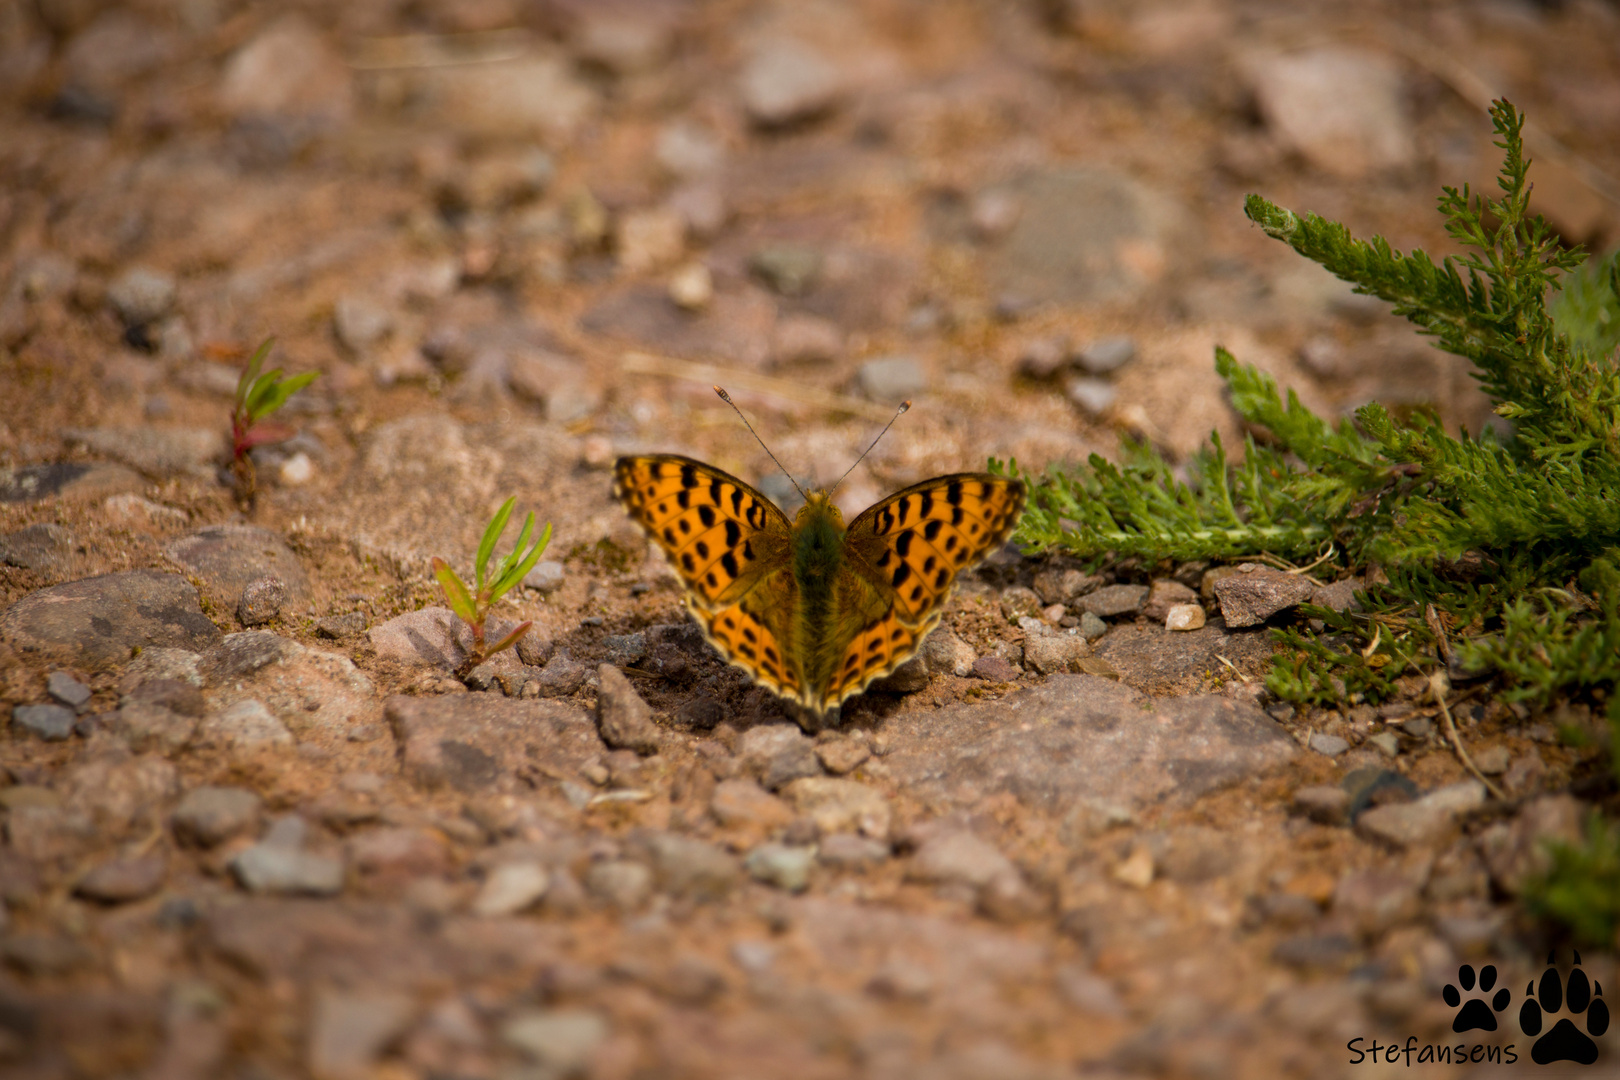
{"x":720,"y":534}
{"x":742,"y":633}
{"x":915,"y":542}
{"x":875,"y":651}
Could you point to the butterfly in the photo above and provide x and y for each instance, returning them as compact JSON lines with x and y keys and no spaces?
{"x":812,"y":610}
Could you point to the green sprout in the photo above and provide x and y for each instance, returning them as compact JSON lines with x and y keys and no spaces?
{"x":472,"y":605}
{"x":257,"y":396}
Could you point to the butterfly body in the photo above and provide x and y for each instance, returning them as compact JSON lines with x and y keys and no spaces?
{"x":810,"y":609}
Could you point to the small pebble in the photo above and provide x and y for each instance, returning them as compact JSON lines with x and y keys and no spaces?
{"x":53,"y":723}
{"x":119,"y":881}
{"x":1185,"y":617}
{"x":1092,"y":626}
{"x":546,"y":577}
{"x":1106,"y":355}
{"x":141,"y":295}
{"x":780,"y":865}
{"x":341,"y":626}
{"x":68,"y":690}
{"x":261,"y":601}
{"x":1137,"y":870}
{"x":692,"y":287}
{"x":1419,"y":727}
{"x":510,"y":888}
{"x":1330,"y":745}
{"x":297,"y":470}
{"x":1093,"y":396}
{"x":1386,"y":742}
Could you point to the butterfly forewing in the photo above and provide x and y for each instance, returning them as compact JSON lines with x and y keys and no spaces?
{"x":718,"y":533}
{"x":916,"y":542}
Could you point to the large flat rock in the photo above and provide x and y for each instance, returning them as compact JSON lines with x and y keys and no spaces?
{"x":479,"y":742}
{"x":98,"y":621}
{"x":1082,"y":740}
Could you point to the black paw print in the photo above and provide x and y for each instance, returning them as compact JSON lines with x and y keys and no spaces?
{"x":1476,"y":1015}
{"x":1565,"y":1042}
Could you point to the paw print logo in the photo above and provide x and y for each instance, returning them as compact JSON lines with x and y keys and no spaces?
{"x":1476,"y":1014}
{"x":1566,"y":1041}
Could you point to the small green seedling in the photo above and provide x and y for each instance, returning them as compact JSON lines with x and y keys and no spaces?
{"x":472,"y":606}
{"x":257,"y":396}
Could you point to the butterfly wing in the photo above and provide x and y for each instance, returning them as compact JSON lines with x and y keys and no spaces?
{"x":747,"y":635}
{"x":916,"y":542}
{"x":721,"y":535}
{"x":909,"y":549}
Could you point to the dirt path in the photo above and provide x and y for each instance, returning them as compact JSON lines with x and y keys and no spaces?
{"x":276,"y":838}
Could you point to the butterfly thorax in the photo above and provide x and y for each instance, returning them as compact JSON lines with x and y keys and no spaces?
{"x":818,"y":541}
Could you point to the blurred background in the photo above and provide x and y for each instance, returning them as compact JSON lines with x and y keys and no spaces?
{"x":1027,"y":215}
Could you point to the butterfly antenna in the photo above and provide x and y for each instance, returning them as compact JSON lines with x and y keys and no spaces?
{"x":725,"y":397}
{"x":904,"y":405}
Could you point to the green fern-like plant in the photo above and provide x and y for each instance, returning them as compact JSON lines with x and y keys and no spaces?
{"x":1509,"y":545}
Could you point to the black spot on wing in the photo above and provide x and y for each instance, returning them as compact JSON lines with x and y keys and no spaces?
{"x":902,"y":543}
{"x":931,"y":530}
{"x":901,"y":574}
{"x":706,"y":515}
{"x":729,"y":562}
{"x":683,"y":499}
{"x":702,"y":549}
{"x":733,"y":533}
{"x":688,"y":476}
{"x":953,"y":493}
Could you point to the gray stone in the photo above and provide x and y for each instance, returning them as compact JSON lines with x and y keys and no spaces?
{"x":849,"y":851}
{"x":510,"y":888}
{"x":1018,"y":602}
{"x":1517,"y":852}
{"x":1386,"y":743}
{"x":841,"y":756}
{"x":546,"y":577}
{"x":687,"y":866}
{"x":994,"y":669}
{"x":53,"y":723}
{"x":279,"y":865}
{"x":1098,"y":741}
{"x":474,"y":742}
{"x":1106,"y":355}
{"x":350,"y":1029}
{"x":141,"y":295}
{"x":229,"y":558}
{"x":778,"y":754}
{"x":1338,"y":596}
{"x":785,"y":81}
{"x":45,"y":548}
{"x":1419,"y":727}
{"x":781,"y":865}
{"x":157,"y":452}
{"x":622,"y":884}
{"x":120,"y":880}
{"x":890,"y":380}
{"x":1084,"y":235}
{"x":944,"y":652}
{"x":360,"y":323}
{"x":837,"y":805}
{"x":1064,"y":586}
{"x":339,"y":627}
{"x":789,"y":269}
{"x":1052,"y":653}
{"x":908,"y":678}
{"x":96,"y":622}
{"x":68,"y":690}
{"x":626,"y":650}
{"x":68,"y":480}
{"x":287,"y":77}
{"x":262,"y":601}
{"x":158,"y":664}
{"x":1092,"y":626}
{"x":1492,"y":760}
{"x":1093,"y":396}
{"x":957,"y":857}
{"x":1330,"y":745}
{"x":1325,"y":803}
{"x":1184,"y":618}
{"x":245,"y":727}
{"x":1376,"y":900}
{"x":154,"y":722}
{"x":623,"y":719}
{"x":1111,"y":601}
{"x":561,"y":676}
{"x":212,"y":815}
{"x":1255,"y":593}
{"x":1343,"y":108}
{"x":1164,"y":594}
{"x":560,"y":1040}
{"x":318,"y":695}
{"x":1425,"y":821}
